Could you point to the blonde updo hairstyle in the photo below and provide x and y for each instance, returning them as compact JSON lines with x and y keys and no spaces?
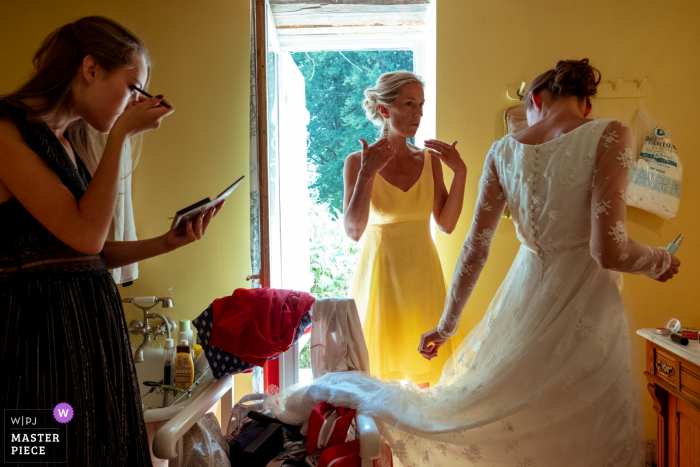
{"x":385,"y":92}
{"x":569,"y":78}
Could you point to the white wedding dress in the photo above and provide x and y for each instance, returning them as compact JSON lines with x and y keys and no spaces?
{"x":544,"y":379}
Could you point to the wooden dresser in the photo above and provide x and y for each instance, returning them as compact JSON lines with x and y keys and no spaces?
{"x":673,"y":377}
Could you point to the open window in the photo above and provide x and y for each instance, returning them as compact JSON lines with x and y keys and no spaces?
{"x":341,"y":45}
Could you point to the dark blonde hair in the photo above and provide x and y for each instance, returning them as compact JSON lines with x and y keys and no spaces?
{"x":47,"y":93}
{"x":569,"y":78}
{"x":385,"y":92}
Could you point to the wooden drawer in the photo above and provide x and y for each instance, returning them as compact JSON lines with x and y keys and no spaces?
{"x":690,"y":381}
{"x":666,"y":367}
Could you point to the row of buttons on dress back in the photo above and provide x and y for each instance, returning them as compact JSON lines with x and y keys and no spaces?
{"x":538,"y":176}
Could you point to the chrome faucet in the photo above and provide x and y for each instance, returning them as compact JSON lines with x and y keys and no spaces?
{"x":143,"y":328}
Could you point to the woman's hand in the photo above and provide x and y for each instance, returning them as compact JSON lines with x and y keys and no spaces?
{"x":447,"y":153}
{"x":430,"y":343}
{"x":191,"y":232}
{"x":671,"y":271}
{"x":142,"y":115}
{"x":375,"y":156}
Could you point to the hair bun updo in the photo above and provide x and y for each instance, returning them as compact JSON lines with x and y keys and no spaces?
{"x":569,"y":78}
{"x":386,"y":90}
{"x":575,"y":78}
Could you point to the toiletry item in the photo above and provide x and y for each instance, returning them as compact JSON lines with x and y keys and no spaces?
{"x":674,"y":325}
{"x":675,"y":244}
{"x":134,"y":88}
{"x":184,"y":366}
{"x":169,"y":362}
{"x":679,"y":339}
{"x":197,"y":350}
{"x":200,"y":365}
{"x":663,"y":331}
{"x":690,"y":335}
{"x":186,"y":332}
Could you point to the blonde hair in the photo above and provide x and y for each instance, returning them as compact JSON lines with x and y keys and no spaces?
{"x":56,"y":67}
{"x":385,"y":93}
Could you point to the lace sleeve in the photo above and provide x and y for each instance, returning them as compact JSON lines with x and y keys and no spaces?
{"x":610,"y":246}
{"x":475,"y":250}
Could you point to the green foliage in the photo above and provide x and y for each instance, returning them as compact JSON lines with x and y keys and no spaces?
{"x":334,"y":93}
{"x":333,"y":255}
{"x":305,"y":356}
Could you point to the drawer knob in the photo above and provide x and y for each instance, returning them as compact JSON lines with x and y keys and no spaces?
{"x":664,"y":369}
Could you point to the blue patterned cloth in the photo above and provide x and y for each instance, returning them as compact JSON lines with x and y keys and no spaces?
{"x":223,"y":363}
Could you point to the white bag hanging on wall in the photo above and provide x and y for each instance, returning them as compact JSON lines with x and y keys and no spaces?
{"x":655,"y":179}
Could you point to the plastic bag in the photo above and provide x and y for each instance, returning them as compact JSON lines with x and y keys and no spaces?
{"x":655,"y":179}
{"x":204,"y":445}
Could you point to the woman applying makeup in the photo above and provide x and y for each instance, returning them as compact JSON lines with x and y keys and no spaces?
{"x":63,"y":334}
{"x":391,"y":190}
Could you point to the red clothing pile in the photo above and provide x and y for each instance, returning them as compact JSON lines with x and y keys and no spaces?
{"x":256,"y":324}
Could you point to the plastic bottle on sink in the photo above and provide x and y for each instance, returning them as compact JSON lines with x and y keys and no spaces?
{"x":184,"y":367}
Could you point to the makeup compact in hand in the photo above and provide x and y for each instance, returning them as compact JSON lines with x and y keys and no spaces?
{"x":191,"y":212}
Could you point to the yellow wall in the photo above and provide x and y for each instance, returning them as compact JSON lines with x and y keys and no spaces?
{"x":200,"y":53}
{"x":485,"y":47}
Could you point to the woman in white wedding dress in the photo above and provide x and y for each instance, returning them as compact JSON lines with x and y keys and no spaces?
{"x":544,"y":379}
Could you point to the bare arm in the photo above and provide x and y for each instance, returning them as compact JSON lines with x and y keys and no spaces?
{"x":447,"y":207}
{"x":81,"y":224}
{"x":118,"y":254}
{"x":358,"y":176}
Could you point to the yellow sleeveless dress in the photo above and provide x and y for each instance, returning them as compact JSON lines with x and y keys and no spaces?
{"x":398,"y":285}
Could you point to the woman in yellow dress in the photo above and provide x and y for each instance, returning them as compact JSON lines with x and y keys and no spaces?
{"x":391,"y":189}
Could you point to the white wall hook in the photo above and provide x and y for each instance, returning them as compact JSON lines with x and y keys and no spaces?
{"x":624,"y":89}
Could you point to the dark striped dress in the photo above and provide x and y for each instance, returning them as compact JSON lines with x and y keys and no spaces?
{"x":63,"y":337}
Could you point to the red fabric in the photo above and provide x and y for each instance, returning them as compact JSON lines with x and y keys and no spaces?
{"x":271,"y":373}
{"x":256,"y":324}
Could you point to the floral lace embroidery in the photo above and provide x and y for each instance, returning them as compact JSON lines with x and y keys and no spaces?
{"x":553,"y":216}
{"x":537,"y":204}
{"x":609,"y":139}
{"x":465,"y":268}
{"x":589,"y":158}
{"x":641,"y":261}
{"x":626,"y":158}
{"x":501,"y":196}
{"x":619,"y":232}
{"x":527,"y":462}
{"x":485,"y":237}
{"x":487,"y":177}
{"x":487,"y":207}
{"x":571,"y":175}
{"x":624,"y":256}
{"x":473,"y":453}
{"x":602,"y":208}
{"x":585,"y":326}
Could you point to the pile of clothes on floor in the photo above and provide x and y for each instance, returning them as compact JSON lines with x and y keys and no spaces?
{"x":329,"y":439}
{"x":253,"y":326}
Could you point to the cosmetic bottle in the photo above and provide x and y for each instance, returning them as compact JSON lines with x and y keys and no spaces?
{"x":675,"y":244}
{"x":186,"y":332}
{"x":169,"y":362}
{"x":184,"y":366}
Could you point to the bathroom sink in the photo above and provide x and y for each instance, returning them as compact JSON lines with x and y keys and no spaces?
{"x":157,"y":406}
